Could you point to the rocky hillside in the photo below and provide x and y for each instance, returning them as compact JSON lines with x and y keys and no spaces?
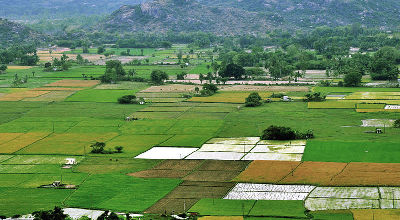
{"x":24,"y":9}
{"x":14,"y":33}
{"x":185,"y":15}
{"x":251,"y":16}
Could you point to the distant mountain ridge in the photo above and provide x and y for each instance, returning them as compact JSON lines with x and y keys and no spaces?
{"x":251,"y":16}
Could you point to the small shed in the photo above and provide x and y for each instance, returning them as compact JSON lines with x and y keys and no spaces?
{"x":286,"y":99}
{"x":70,"y":161}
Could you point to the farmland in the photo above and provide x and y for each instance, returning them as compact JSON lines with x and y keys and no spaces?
{"x":192,"y":153}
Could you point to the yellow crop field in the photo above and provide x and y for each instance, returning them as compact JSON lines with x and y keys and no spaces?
{"x":6,"y":137}
{"x":21,"y":95}
{"x":19,"y":67}
{"x":52,"y":96}
{"x":21,"y":142}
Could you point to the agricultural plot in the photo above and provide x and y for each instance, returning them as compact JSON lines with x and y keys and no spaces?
{"x":26,"y":200}
{"x":229,"y":97}
{"x":100,"y":192}
{"x":22,"y":95}
{"x":266,"y":171}
{"x":73,"y":83}
{"x":241,"y":88}
{"x":40,"y":160}
{"x":170,"y":88}
{"x":333,"y":151}
{"x":22,"y":141}
{"x":137,"y":144}
{"x":99,"y":95}
{"x":249,"y":191}
{"x":166,"y":153}
{"x":169,"y":169}
{"x":53,"y":96}
{"x":67,"y":143}
{"x":377,"y":123}
{"x":217,"y":171}
{"x":366,"y":214}
{"x":105,"y":165}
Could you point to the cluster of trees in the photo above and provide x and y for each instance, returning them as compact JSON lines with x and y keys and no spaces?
{"x":61,"y":64}
{"x":20,"y":54}
{"x":130,"y":99}
{"x":315,"y":97}
{"x":99,"y":148}
{"x":114,"y":72}
{"x":285,"y":133}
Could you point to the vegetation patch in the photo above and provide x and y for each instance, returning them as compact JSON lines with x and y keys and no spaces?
{"x":100,"y":192}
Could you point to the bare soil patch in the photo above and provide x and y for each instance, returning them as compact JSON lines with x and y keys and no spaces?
{"x":175,"y":174}
{"x":266,"y":88}
{"x":74,"y":83}
{"x":266,"y":171}
{"x":194,"y":190}
{"x":171,"y":88}
{"x":171,"y":206}
{"x":178,"y":165}
{"x":214,"y":175}
{"x":319,"y":173}
{"x":369,"y":174}
{"x":224,"y":165}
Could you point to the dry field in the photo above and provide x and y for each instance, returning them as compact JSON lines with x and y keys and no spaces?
{"x":234,"y":88}
{"x":74,"y":83}
{"x":171,"y":88}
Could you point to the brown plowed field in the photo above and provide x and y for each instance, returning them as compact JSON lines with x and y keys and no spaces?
{"x":224,"y":165}
{"x":170,"y":206}
{"x":178,"y":165}
{"x":74,"y":83}
{"x":369,"y":174}
{"x":212,"y":175}
{"x":266,"y":171}
{"x":316,"y":173}
{"x":174,"y":174}
{"x":200,"y":190}
{"x":322,"y":173}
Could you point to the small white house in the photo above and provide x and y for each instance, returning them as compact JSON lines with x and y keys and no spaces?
{"x":286,"y":99}
{"x":70,"y":161}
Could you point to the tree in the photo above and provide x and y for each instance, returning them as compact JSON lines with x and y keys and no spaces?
{"x":119,"y":149}
{"x":314,"y":97}
{"x":181,"y":76}
{"x":253,"y":100}
{"x":3,"y":68}
{"x":114,"y":72}
{"x":396,"y":123}
{"x":56,"y":214}
{"x":208,"y":89}
{"x":278,"y":66}
{"x":101,"y":50}
{"x":98,"y":147}
{"x":384,"y":64}
{"x":127,"y":99}
{"x":352,"y":78}
{"x":201,"y":78}
{"x":285,"y":133}
{"x":79,"y":59}
{"x":158,"y":77}
{"x":232,"y":70}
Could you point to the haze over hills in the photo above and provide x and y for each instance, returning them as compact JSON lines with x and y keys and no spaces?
{"x":249,"y":16}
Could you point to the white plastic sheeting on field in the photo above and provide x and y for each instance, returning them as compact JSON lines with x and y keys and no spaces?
{"x":167,"y":153}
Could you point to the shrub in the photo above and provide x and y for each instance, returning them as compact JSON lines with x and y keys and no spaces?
{"x":118,"y":149}
{"x":315,"y":97}
{"x":396,"y":123}
{"x":285,"y":133}
{"x":277,"y":95}
{"x":127,"y":99}
{"x":253,"y":100}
